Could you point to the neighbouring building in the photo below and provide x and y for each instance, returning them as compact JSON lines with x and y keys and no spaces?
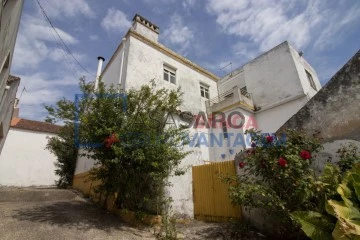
{"x":263,"y":93}
{"x":333,"y":114}
{"x":25,"y":161}
{"x":10,"y":13}
{"x":266,"y":91}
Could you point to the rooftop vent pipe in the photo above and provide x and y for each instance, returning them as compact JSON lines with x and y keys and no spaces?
{"x":98,"y":73}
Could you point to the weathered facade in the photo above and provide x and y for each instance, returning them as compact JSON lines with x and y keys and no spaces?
{"x":267,"y":91}
{"x":10,"y":13}
{"x":139,"y":59}
{"x":333,"y":114}
{"x":273,"y":86}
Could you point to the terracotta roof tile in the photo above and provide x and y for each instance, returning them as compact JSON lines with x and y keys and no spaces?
{"x":34,"y":125}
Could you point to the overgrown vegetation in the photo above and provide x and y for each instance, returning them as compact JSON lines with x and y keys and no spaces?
{"x":276,"y":176}
{"x":341,"y":217}
{"x":168,"y":229}
{"x":63,"y":145}
{"x":134,"y":149}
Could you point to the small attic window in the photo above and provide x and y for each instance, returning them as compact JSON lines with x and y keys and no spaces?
{"x":311,"y":80}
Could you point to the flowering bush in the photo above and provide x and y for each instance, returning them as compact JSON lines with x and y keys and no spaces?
{"x":276,"y":175}
{"x":348,"y":154}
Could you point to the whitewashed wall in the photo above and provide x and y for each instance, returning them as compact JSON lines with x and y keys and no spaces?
{"x":236,"y":137}
{"x":301,"y":64}
{"x":143,"y":63}
{"x":272,"y":119}
{"x":24,"y":161}
{"x":146,"y":63}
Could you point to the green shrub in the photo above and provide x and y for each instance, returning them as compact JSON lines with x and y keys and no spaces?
{"x":276,"y":176}
{"x":342,"y":217}
{"x":349,"y":155}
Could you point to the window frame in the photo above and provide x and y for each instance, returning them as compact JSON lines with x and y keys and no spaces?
{"x":170,"y":73}
{"x":205,"y":91}
{"x":310,"y":79}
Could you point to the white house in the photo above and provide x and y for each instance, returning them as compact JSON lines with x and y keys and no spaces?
{"x":265,"y":93}
{"x":24,"y":160}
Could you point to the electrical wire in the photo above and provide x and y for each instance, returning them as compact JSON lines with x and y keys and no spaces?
{"x":60,"y":38}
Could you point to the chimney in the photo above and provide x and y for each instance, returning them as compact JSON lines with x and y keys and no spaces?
{"x":145,"y":28}
{"x":98,"y":73}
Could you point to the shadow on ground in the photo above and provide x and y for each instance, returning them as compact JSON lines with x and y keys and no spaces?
{"x":73,"y":214}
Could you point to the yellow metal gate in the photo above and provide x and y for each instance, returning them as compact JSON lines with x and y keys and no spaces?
{"x":211,"y":198}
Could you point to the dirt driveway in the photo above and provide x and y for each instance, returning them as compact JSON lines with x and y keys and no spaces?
{"x":31,"y":213}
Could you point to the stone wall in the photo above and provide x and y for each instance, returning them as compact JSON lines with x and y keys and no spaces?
{"x":334,"y":112}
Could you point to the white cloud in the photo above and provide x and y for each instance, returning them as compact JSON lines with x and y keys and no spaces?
{"x":178,"y":35}
{"x":245,"y":49}
{"x":68,"y":8}
{"x":154,"y":2}
{"x":59,"y":55}
{"x":34,"y":41}
{"x":336,"y":22}
{"x":42,"y":88}
{"x":115,"y":21}
{"x":188,"y":4}
{"x":94,"y":37}
{"x":268,"y":23}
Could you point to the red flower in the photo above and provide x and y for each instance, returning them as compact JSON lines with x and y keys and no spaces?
{"x":241,"y":165}
{"x":269,"y":139}
{"x":282,"y":162}
{"x":109,"y":141}
{"x":305,"y":154}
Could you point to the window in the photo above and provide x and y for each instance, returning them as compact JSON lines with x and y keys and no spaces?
{"x":224,"y":127}
{"x":204,"y":91}
{"x":1,"y":131}
{"x":311,"y":80}
{"x":169,"y":74}
{"x":244,"y":92}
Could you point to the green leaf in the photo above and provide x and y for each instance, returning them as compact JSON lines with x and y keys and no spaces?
{"x":315,"y":225}
{"x":357,"y":189}
{"x":348,"y":217}
{"x":344,"y":191}
{"x":339,"y":233}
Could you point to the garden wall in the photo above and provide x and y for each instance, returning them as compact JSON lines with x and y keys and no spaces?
{"x":333,"y":114}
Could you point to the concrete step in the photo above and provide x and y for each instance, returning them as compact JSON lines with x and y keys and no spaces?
{"x":9,"y":194}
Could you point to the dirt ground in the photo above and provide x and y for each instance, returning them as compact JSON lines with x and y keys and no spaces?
{"x":50,"y":213}
{"x":58,"y":214}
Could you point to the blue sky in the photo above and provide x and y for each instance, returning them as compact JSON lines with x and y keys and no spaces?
{"x":211,"y":33}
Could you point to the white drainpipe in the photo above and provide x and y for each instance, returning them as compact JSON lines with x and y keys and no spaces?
{"x":122,"y":61}
{"x":98,"y":73}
